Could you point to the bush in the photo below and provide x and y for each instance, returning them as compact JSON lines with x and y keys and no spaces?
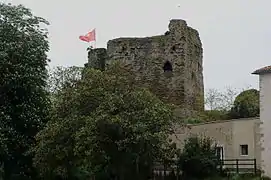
{"x":208,"y":116}
{"x":214,"y":115}
{"x":198,"y":158}
{"x":246,"y":104}
{"x":266,"y":178}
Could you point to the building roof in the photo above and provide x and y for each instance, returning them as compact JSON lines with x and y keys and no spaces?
{"x":263,"y":70}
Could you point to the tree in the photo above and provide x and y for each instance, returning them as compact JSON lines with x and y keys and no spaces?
{"x":220,"y":100}
{"x":219,"y":104}
{"x":23,"y":100}
{"x":3,"y":153}
{"x":104,"y":126}
{"x":61,"y":77}
{"x":198,"y":158}
{"x":246,"y":104}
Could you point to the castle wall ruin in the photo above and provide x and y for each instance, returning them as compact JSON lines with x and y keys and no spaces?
{"x":169,"y":65}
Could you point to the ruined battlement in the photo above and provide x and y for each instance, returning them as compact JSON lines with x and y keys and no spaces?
{"x":170,"y":65}
{"x":97,"y":58}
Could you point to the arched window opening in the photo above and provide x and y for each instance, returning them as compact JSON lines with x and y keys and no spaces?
{"x":167,"y":67}
{"x":173,"y":48}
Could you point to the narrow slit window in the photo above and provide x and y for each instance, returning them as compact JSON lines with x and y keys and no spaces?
{"x":167,"y":67}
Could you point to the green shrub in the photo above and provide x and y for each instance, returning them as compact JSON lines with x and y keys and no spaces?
{"x":198,"y":158}
{"x":1,"y":172}
{"x":266,"y":178}
{"x":214,"y":115}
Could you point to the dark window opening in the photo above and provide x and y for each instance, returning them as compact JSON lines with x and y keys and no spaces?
{"x":167,"y":67}
{"x":244,"y":149}
{"x":220,"y":152}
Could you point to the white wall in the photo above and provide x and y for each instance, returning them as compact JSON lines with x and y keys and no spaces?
{"x":265,"y":117}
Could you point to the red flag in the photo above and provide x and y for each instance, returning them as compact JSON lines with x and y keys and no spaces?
{"x":91,"y":36}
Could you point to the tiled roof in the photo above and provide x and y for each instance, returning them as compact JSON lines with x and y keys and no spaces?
{"x":263,"y":70}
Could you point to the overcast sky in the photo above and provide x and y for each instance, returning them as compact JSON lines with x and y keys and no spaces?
{"x":236,"y":34}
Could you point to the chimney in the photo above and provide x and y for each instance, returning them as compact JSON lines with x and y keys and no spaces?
{"x":265,"y":117}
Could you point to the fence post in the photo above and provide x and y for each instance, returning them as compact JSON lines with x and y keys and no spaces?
{"x":237,"y":166}
{"x":255,"y":166}
{"x":164,"y":177}
{"x":177,"y":169}
{"x":221,"y":166}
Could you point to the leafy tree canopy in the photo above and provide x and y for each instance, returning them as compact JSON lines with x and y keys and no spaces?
{"x":246,"y":104}
{"x":23,"y":99}
{"x":198,"y":158}
{"x":61,"y":77}
{"x":104,"y":126}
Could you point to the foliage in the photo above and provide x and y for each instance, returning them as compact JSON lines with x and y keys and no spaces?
{"x":198,"y":158}
{"x":218,"y":104}
{"x":266,"y":178}
{"x":213,"y":115}
{"x":61,"y":77}
{"x":23,"y":99}
{"x":236,"y":177}
{"x":220,"y":100}
{"x":3,"y":152}
{"x":1,"y":172}
{"x":104,"y":126}
{"x":207,"y":116}
{"x":193,"y":120}
{"x":246,"y":104}
{"x":227,"y":104}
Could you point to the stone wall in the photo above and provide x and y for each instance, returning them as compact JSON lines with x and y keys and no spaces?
{"x":170,"y":65}
{"x":97,"y":58}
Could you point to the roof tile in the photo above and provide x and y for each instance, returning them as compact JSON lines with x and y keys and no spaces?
{"x":263,"y":70}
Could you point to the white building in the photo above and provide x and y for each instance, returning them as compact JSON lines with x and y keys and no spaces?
{"x":265,"y":117}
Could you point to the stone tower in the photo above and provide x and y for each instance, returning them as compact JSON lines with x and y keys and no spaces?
{"x":170,"y":65}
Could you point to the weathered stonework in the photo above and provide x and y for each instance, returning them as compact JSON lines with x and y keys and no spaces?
{"x":97,"y":58}
{"x":170,"y":65}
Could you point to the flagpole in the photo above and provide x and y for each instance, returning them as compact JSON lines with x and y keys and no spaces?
{"x":94,"y":42}
{"x":95,"y":39}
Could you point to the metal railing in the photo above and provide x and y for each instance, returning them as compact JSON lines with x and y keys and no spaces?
{"x":239,"y":165}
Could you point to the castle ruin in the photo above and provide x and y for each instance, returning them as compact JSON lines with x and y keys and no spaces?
{"x":169,"y":65}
